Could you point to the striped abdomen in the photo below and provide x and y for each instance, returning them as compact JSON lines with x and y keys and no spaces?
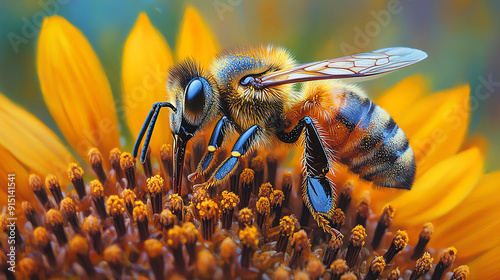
{"x":373,"y":146}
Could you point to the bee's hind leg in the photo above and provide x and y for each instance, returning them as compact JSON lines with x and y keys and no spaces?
{"x":242,"y":146}
{"x":318,"y":193}
{"x":214,"y":144}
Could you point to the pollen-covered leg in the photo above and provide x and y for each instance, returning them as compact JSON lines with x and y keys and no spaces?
{"x":242,"y":146}
{"x":214,"y":144}
{"x":318,"y":193}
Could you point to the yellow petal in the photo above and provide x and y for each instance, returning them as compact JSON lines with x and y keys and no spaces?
{"x":146,"y":59}
{"x":75,"y":87}
{"x":473,"y":226}
{"x":437,"y":126}
{"x":195,"y":39}
{"x":486,"y":266}
{"x":478,"y":141}
{"x":403,"y":95}
{"x":9,"y":165}
{"x":30,"y":143}
{"x":440,"y":189}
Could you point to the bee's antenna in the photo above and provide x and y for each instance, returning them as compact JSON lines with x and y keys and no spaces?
{"x":149,"y":126}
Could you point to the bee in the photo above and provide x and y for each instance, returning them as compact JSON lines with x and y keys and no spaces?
{"x":248,"y":91}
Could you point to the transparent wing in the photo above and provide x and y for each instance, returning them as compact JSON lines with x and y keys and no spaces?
{"x":361,"y":65}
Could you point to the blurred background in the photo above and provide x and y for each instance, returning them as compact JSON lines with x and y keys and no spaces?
{"x":462,"y":38}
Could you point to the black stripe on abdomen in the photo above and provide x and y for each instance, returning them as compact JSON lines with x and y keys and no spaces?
{"x":393,"y":163}
{"x":378,"y":150}
{"x":363,"y":141}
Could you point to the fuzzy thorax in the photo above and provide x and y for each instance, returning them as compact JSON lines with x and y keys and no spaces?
{"x":246,"y":105}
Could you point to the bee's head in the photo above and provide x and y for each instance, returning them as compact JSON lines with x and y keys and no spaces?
{"x":194,"y":94}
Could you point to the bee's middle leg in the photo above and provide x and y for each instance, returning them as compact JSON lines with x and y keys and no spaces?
{"x":242,"y":146}
{"x":214,"y":144}
{"x":317,"y":190}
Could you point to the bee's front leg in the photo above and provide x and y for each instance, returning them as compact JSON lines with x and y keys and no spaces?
{"x":242,"y":146}
{"x":214,"y":144}
{"x":148,"y":125}
{"x":317,"y":190}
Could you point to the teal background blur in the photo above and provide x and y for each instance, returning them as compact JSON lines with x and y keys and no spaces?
{"x":462,"y":38}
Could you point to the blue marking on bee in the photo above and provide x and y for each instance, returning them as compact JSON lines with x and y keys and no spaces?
{"x":233,"y":66}
{"x":354,"y":110}
{"x":320,"y":194}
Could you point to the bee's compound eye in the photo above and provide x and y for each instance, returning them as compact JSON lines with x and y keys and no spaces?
{"x":194,"y":99}
{"x":247,"y":80}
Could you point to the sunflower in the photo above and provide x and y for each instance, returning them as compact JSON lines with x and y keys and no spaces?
{"x":451,"y":190}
